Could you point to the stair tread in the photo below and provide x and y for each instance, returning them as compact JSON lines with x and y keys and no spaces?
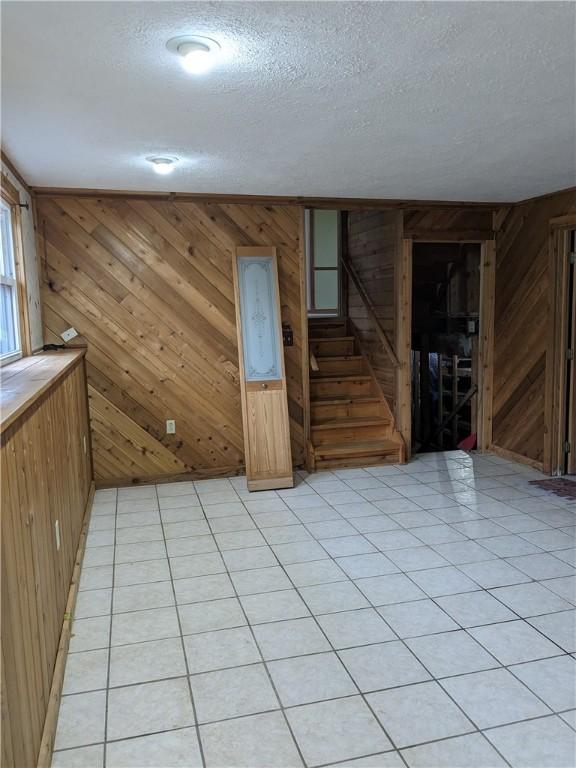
{"x":325,"y":358}
{"x":330,"y":338}
{"x":364,"y":447}
{"x":352,"y":421}
{"x":343,"y":399}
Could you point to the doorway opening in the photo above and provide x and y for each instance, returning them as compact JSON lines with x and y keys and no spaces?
{"x":445,"y":345}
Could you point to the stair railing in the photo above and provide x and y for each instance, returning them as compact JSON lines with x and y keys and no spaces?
{"x":380,"y":332}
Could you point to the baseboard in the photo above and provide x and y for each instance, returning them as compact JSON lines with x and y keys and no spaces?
{"x":512,"y":456}
{"x":51,"y":721}
{"x":198,"y":474}
{"x":211,"y":473}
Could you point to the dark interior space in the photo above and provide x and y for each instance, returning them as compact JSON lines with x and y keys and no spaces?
{"x":445,"y":325}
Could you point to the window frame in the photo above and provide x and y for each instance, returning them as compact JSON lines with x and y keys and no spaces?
{"x":313,"y":310}
{"x":10,"y":198}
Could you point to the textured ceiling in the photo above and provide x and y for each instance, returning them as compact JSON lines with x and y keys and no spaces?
{"x":433,"y":100}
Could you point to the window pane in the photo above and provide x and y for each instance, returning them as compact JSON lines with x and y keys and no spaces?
{"x":6,"y":253}
{"x":326,"y":289}
{"x":325,"y":232}
{"x":8,"y":334}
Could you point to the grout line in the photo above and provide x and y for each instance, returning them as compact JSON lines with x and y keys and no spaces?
{"x":263,"y":661}
{"x":345,"y":760}
{"x":183,"y":649}
{"x":346,"y":579}
{"x":110,"y":637}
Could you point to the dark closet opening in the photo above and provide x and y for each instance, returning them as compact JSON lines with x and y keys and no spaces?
{"x":445,"y":325}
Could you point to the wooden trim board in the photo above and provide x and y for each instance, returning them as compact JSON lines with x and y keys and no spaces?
{"x":340,"y":203}
{"x":555,"y":385}
{"x":12,"y":168}
{"x":403,"y":293}
{"x":486,"y":345}
{"x":51,"y":722}
{"x":171,"y":477}
{"x":517,"y":457}
{"x":305,"y":345}
{"x":11,"y":198}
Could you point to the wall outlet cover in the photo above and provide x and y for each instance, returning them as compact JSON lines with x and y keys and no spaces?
{"x":170,"y":427}
{"x":69,"y":334}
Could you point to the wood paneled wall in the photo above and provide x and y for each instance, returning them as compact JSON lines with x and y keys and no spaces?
{"x":450,"y":224}
{"x":521,"y":322}
{"x":148,"y":285}
{"x":46,"y":476}
{"x":379,"y":246}
{"x":372,"y":248}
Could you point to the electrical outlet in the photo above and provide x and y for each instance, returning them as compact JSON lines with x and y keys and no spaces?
{"x":170,"y":427}
{"x":69,"y":334}
{"x":57,"y":532}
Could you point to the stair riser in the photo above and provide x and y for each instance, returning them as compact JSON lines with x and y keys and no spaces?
{"x":319,"y":388}
{"x":339,"y":367}
{"x":320,"y":413}
{"x":357,"y":461}
{"x":323,"y":435}
{"x":326,"y":331}
{"x":327,"y":348}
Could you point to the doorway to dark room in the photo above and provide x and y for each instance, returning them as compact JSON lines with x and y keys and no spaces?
{"x":445,"y":345}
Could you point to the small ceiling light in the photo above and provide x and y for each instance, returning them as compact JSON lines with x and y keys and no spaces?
{"x":197,"y":54}
{"x":163,"y":165}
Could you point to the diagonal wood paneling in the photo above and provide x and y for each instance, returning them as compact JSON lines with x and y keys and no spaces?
{"x":373,"y":250}
{"x":457,"y":223}
{"x":148,"y":285}
{"x":521,"y":322}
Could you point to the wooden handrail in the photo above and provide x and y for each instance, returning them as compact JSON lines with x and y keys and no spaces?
{"x":313,"y":362}
{"x":380,"y":332}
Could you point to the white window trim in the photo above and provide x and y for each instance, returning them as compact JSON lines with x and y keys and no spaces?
{"x":11,"y":357}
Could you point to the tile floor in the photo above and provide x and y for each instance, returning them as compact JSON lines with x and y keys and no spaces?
{"x":421,"y":615}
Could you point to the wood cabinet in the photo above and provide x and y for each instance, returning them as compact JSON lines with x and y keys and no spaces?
{"x":45,"y":487}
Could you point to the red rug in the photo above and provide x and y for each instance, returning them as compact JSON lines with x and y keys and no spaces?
{"x":558,"y":485}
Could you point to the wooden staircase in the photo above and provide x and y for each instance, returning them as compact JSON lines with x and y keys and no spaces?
{"x":351,"y":422}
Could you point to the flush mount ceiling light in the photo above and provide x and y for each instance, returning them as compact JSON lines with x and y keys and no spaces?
{"x":163,"y":165}
{"x":197,"y":54}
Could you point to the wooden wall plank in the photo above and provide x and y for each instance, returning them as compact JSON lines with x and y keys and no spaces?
{"x":147,"y":283}
{"x":46,"y":477}
{"x":372,"y":249}
{"x":521,"y":320}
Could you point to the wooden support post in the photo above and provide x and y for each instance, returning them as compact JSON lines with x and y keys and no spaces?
{"x":486,"y":344}
{"x":403,"y":280}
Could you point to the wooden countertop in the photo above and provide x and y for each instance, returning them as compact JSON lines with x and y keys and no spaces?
{"x":25,"y":381}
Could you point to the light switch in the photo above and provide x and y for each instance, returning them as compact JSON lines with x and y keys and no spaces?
{"x":69,"y":334}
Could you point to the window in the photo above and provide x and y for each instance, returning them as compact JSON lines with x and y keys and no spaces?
{"x":10,"y":345}
{"x":324,"y":294}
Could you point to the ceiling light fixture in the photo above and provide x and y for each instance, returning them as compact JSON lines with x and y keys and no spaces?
{"x":197,"y":54}
{"x":163,"y":165}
